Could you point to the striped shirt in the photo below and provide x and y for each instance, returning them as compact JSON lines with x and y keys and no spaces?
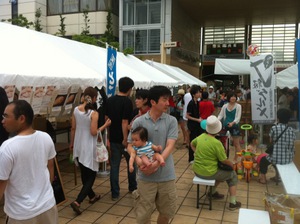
{"x":145,"y":150}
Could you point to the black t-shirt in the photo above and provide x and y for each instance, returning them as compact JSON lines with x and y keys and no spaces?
{"x":193,"y":111}
{"x":118,"y":108}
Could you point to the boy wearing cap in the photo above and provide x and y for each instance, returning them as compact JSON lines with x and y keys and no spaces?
{"x":208,"y":151}
{"x":212,"y":96}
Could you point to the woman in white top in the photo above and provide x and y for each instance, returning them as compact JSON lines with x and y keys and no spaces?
{"x":83,"y":144}
{"x":231,"y":116}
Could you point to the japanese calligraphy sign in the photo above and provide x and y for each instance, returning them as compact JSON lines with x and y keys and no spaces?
{"x":262,"y":89}
{"x":111,"y":79}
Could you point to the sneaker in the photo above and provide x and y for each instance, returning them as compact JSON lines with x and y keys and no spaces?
{"x":235,"y":206}
{"x":275,"y":179}
{"x":216,"y":195}
{"x":191,"y":162}
{"x":115,"y":198}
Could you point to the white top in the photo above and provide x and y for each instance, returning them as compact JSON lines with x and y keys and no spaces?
{"x":290,"y":177}
{"x":187,"y":98}
{"x":84,"y":143}
{"x":238,"y":113}
{"x":250,"y":216}
{"x":23,"y":162}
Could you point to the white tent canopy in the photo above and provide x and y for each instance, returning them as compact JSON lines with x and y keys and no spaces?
{"x":232,"y":66}
{"x":176,"y":73}
{"x":34,"y":58}
{"x":286,"y":78}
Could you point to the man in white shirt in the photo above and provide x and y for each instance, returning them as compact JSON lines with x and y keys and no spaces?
{"x":186,"y":98}
{"x":211,"y":94}
{"x":26,"y":169}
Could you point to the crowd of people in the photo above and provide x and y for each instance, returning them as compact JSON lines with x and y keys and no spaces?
{"x":144,"y":136}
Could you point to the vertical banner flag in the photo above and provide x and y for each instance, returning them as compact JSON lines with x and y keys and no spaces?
{"x":111,"y":79}
{"x":298,"y":58}
{"x":262,"y":80}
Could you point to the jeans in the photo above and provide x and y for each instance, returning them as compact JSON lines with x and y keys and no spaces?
{"x":193,"y":134}
{"x":88,"y":177}
{"x":117,"y":150}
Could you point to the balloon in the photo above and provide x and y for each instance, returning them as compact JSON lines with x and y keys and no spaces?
{"x":252,"y":50}
{"x":203,"y":124}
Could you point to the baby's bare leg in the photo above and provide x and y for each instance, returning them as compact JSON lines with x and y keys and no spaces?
{"x":145,"y":160}
{"x":159,"y":158}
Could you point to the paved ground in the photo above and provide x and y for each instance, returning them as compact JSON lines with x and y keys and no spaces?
{"x":107,"y":211}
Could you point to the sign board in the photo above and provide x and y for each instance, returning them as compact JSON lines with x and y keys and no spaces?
{"x":58,"y":188}
{"x":262,"y":81}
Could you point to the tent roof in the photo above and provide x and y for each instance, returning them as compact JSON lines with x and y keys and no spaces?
{"x":232,"y":66}
{"x":176,"y":73}
{"x":288,"y":77}
{"x":34,"y":58}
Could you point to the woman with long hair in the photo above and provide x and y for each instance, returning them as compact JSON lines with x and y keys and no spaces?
{"x":230,"y":114}
{"x":83,"y":144}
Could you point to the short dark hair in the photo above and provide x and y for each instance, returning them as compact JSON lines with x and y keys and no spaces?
{"x":142,"y":132}
{"x":143,"y":94}
{"x":283,"y":115}
{"x":231,"y":94}
{"x":194,"y":89}
{"x":251,"y":138}
{"x":125,"y":84}
{"x":22,"y":107}
{"x":156,"y":92}
{"x":205,"y":95}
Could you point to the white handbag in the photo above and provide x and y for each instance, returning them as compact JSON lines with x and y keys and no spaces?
{"x":101,"y":151}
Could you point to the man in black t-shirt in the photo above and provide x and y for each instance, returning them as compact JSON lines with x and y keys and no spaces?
{"x":193,"y":116}
{"x":119,"y":110}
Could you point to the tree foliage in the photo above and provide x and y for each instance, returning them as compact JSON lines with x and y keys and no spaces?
{"x":37,"y":23}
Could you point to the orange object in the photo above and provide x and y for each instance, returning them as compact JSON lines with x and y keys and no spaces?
{"x":248,"y":164}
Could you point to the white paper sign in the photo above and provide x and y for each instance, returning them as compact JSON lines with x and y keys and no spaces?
{"x":262,"y":89}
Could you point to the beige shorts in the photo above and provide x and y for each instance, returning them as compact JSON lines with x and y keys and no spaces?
{"x":150,"y":194}
{"x":47,"y":217}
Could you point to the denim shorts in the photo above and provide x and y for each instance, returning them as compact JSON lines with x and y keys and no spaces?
{"x":234,"y":130}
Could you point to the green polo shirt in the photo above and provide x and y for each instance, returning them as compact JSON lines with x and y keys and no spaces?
{"x":209,"y":151}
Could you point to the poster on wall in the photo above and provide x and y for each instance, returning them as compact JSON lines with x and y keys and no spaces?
{"x":37,"y":99}
{"x":10,"y":92}
{"x":70,"y":99}
{"x":50,"y":90}
{"x":26,"y":93}
{"x":262,"y":81}
{"x":59,"y":100}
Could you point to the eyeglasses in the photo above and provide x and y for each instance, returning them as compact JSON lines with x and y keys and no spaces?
{"x":4,"y":116}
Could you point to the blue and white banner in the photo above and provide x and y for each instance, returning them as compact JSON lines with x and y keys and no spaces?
{"x":111,"y":79}
{"x":262,"y":80}
{"x":298,"y":58}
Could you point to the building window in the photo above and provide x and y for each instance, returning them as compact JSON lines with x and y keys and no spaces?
{"x":138,"y":12}
{"x":277,"y":39}
{"x":224,"y":35}
{"x":57,"y":7}
{"x":89,"y":5}
{"x":141,"y":25}
{"x":142,"y":41}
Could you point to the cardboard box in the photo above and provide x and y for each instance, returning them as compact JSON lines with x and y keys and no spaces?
{"x":283,"y":209}
{"x":297,"y":154}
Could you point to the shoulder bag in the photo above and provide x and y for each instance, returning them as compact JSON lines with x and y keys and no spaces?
{"x":271,"y":146}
